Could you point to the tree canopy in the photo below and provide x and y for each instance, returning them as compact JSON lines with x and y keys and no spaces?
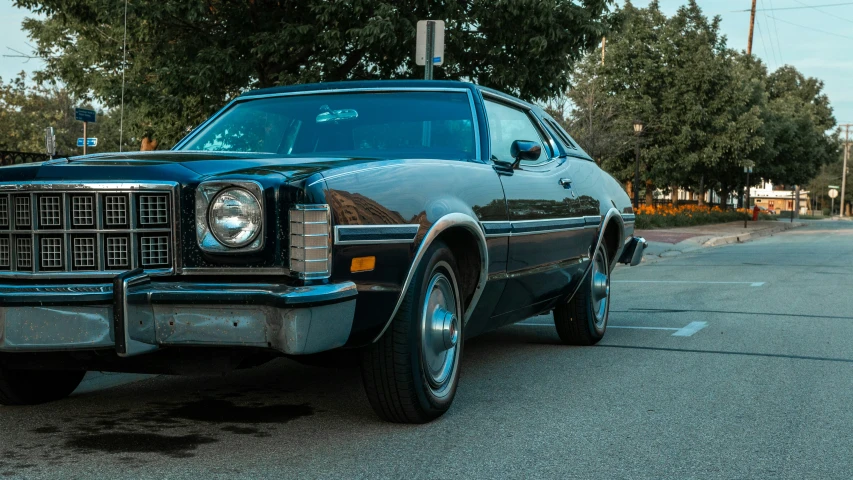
{"x":26,"y":110}
{"x":708,"y":110}
{"x":186,"y":58}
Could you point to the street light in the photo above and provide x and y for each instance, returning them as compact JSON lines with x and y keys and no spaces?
{"x":638,"y":130}
{"x":747,"y":169}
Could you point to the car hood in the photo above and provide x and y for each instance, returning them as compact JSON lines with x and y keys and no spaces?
{"x":181,"y":167}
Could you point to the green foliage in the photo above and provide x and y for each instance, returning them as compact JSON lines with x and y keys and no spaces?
{"x":185,"y":58}
{"x":649,"y":221}
{"x":708,"y":110}
{"x":25,"y":112}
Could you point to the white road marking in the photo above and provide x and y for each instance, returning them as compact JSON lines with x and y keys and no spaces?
{"x":686,"y":331}
{"x":751,"y":284}
{"x":690,"y":329}
{"x":525,"y":324}
{"x":643,"y":328}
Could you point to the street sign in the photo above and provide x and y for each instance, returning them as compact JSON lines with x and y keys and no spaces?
{"x":50,"y":141}
{"x":833,"y":186}
{"x":90,"y":142}
{"x":84,"y":115}
{"x":833,"y":193}
{"x":438,"y":43}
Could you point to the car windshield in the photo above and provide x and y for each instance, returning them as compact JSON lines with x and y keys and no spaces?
{"x":368,"y":124}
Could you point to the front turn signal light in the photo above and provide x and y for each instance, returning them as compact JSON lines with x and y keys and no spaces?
{"x":362,"y":264}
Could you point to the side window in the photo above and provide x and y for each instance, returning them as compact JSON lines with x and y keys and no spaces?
{"x":560,"y":133}
{"x":508,"y":124}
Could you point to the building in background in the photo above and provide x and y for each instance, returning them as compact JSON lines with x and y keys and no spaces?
{"x":777,"y":199}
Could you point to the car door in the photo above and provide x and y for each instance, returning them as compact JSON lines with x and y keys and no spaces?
{"x":546,"y":244}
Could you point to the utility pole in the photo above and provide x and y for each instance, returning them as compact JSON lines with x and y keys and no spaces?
{"x":751,"y":26}
{"x":603,"y":43}
{"x":844,"y":170}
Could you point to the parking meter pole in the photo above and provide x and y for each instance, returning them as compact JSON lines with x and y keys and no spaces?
{"x":85,"y":137}
{"x":430,"y":50}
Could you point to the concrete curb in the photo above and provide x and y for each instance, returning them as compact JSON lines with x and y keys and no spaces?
{"x":745,"y":237}
{"x":657,"y":251}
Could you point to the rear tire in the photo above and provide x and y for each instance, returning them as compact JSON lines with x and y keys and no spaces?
{"x":411,"y":374}
{"x":32,"y":387}
{"x":583,"y":319}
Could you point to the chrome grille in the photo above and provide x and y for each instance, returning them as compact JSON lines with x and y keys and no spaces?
{"x":51,"y":252}
{"x":23,"y":213}
{"x":84,"y":252}
{"x":153,"y":210}
{"x":88,"y":230}
{"x":50,"y":214}
{"x":155,"y":251}
{"x":116,"y":210}
{"x":5,"y":252}
{"x":24,"y":253}
{"x":118,"y":255}
{"x":4,"y":211}
{"x":83,"y":211}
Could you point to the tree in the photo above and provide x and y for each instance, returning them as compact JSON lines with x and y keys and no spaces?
{"x":708,"y":110}
{"x":186,"y":58}
{"x":25,"y":112}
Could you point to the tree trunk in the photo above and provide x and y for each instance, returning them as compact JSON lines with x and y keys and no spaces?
{"x":702,"y":191}
{"x":724,"y":196}
{"x":674,"y":195}
{"x":650,"y":189}
{"x":148,"y":144}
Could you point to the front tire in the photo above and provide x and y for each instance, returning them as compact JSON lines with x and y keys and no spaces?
{"x":411,"y":374}
{"x":32,"y":387}
{"x":583,"y":319}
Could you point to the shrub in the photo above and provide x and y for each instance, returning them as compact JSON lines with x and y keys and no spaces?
{"x":664,"y":216}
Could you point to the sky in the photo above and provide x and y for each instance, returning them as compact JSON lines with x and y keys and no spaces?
{"x":817,"y":41}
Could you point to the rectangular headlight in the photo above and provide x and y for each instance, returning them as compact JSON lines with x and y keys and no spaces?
{"x":310,"y":241}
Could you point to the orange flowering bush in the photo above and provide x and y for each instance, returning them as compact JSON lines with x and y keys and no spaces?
{"x":666,"y":215}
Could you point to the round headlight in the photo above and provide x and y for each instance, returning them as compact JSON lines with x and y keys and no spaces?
{"x":235,"y":217}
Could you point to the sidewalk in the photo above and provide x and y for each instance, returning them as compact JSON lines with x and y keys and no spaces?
{"x":670,"y":242}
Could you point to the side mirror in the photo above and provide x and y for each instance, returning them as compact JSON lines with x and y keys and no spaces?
{"x":524,"y":150}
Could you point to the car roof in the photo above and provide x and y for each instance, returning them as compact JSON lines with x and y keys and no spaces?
{"x":377,"y":84}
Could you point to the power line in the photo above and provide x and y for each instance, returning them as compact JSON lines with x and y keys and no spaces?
{"x":763,"y":44}
{"x":773,"y":45}
{"x":812,"y":28}
{"x":776,"y":30}
{"x":797,"y":8}
{"x":825,"y":13}
{"x":123,"y":68}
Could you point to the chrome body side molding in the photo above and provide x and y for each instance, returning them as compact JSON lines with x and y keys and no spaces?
{"x":373,"y":234}
{"x":536,"y":227}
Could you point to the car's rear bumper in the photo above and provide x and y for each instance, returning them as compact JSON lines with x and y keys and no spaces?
{"x":632,"y":254}
{"x":136,"y":315}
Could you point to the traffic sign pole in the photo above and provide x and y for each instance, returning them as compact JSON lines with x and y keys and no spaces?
{"x":430,"y":50}
{"x":85,"y":137}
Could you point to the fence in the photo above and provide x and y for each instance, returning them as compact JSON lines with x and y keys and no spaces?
{"x":14,"y":158}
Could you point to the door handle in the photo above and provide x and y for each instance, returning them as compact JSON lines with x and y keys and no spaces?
{"x":566,"y":182}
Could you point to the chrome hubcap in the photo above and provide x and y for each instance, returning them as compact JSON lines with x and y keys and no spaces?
{"x":440,"y":332}
{"x":600,"y":289}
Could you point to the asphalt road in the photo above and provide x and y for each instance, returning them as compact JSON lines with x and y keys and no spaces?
{"x":730,"y":362}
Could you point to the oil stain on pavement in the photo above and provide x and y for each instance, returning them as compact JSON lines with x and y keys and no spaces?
{"x":174,"y":430}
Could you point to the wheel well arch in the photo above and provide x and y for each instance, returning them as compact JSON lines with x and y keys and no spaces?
{"x":611,"y":234}
{"x":611,"y":241}
{"x":465,"y":250}
{"x":455,"y":229}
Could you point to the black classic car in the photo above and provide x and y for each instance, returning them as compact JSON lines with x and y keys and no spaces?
{"x":396,"y":219}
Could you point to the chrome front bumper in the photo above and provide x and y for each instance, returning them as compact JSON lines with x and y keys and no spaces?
{"x":136,"y":315}
{"x":632,"y":254}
